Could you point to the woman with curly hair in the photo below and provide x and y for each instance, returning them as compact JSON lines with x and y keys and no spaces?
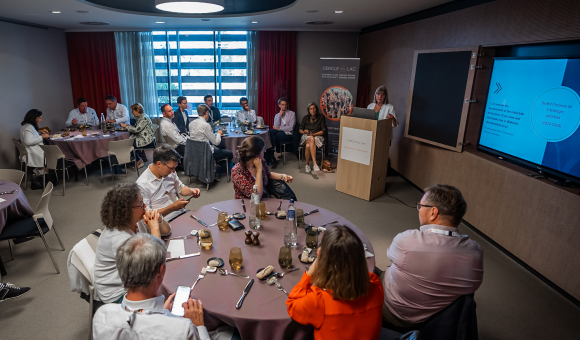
{"x":252,"y":169}
{"x":122,"y":208}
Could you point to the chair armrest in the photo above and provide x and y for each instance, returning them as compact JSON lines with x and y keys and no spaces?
{"x":37,"y":216}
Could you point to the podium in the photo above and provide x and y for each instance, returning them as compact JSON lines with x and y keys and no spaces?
{"x":363,"y":156}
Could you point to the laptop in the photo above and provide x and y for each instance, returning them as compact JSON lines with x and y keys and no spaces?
{"x":359,"y":112}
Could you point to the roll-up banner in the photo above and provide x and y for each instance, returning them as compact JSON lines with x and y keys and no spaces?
{"x":338,"y":85}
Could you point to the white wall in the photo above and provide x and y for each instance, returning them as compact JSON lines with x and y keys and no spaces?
{"x":34,"y":74}
{"x":310,"y":47}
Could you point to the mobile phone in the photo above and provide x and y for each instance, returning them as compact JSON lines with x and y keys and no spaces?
{"x":181,"y":296}
{"x":236,"y":225}
{"x":189,"y":199}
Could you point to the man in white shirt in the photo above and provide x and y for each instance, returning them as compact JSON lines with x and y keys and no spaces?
{"x":160,"y":186}
{"x":143,"y":314}
{"x":116,"y":113}
{"x":246,"y":114}
{"x":180,"y":117}
{"x":170,"y":131}
{"x":82,"y":115}
{"x":201,"y":131}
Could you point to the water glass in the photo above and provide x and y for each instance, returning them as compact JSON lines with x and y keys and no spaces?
{"x":285,"y":258}
{"x":311,"y":238}
{"x":236,"y":258}
{"x":222,"y":220}
{"x":300,"y":218}
{"x":84,"y":132}
{"x":206,"y":240}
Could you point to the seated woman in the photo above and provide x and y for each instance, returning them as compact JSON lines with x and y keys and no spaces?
{"x":31,"y":139}
{"x":142,"y":132}
{"x":338,"y":296}
{"x":252,"y":169}
{"x":381,"y":106}
{"x":122,"y":208}
{"x":312,"y":128}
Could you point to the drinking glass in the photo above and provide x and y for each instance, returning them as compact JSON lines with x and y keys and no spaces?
{"x":285,"y":257}
{"x":300,"y":218}
{"x":222,"y":220}
{"x":205,"y":239}
{"x":236,"y":259}
{"x":311,"y":238}
{"x":262,"y":210}
{"x":84,"y":132}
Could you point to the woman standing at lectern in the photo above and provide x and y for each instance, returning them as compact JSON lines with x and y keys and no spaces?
{"x":381,"y":106}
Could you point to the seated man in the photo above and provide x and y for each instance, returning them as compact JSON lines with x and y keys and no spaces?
{"x":283,"y":128}
{"x":116,"y":113}
{"x":246,"y":115}
{"x":143,"y":314}
{"x":169,"y":130}
{"x":82,"y":115}
{"x":214,"y":114}
{"x":201,"y":131}
{"x":160,"y":186}
{"x":181,"y":117}
{"x":432,"y":266}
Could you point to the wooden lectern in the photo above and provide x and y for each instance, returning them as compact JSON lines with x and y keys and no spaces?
{"x":357,"y":179}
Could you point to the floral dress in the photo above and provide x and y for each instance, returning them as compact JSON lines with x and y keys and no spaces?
{"x":142,"y":131}
{"x":244,"y":180}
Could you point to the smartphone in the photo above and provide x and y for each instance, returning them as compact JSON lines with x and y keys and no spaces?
{"x":181,"y":296}
{"x":189,"y":199}
{"x":236,"y":225}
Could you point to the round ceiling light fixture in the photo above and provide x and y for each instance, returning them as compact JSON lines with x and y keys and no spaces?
{"x":190,"y":7}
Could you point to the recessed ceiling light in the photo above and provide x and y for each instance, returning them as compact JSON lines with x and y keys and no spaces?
{"x":55,"y":12}
{"x":188,"y":6}
{"x":159,"y":22}
{"x":338,"y":12}
{"x":254,"y":22}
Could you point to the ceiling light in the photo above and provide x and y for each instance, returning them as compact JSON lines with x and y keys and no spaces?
{"x":159,"y":22}
{"x":338,"y":12}
{"x":55,"y":12}
{"x":188,"y":6}
{"x":254,"y":22}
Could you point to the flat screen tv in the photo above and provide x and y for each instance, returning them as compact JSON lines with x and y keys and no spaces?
{"x":532,"y":115}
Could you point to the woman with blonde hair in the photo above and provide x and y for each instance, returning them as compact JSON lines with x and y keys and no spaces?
{"x":381,"y":106}
{"x":142,"y":132}
{"x":338,"y":295}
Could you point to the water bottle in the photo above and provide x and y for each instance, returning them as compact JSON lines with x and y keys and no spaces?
{"x":291,"y":228}
{"x":254,"y":205}
{"x":103,"y":124}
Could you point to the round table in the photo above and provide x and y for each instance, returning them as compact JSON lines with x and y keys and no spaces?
{"x":87,"y":149}
{"x":264,"y":313}
{"x":234,"y":139}
{"x":14,"y":207}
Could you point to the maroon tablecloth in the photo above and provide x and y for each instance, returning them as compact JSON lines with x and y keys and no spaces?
{"x":85,"y":150}
{"x":234,"y":139}
{"x":263,"y":314}
{"x":16,"y":205}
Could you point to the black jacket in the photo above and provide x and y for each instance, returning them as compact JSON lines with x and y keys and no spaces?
{"x":178,"y":120}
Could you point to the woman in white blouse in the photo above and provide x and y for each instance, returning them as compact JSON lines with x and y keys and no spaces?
{"x":31,"y":138}
{"x":381,"y":106}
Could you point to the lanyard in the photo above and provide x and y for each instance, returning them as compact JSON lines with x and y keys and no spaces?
{"x":446,"y":232}
{"x":131,"y":317}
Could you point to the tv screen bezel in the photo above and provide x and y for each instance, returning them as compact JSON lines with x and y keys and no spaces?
{"x":511,"y":158}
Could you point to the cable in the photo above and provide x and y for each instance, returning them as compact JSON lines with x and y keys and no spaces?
{"x":405,"y":204}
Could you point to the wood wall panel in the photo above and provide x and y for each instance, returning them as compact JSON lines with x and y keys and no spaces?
{"x":535,"y":221}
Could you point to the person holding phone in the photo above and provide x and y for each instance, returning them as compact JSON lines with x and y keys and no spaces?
{"x":252,"y":169}
{"x":143,"y":314}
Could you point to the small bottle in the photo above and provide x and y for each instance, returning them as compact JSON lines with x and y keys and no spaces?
{"x":291,"y":228}
{"x":254,"y":204}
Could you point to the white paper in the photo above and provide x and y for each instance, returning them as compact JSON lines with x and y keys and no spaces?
{"x":176,"y":248}
{"x":356,"y":145}
{"x":2,"y":200}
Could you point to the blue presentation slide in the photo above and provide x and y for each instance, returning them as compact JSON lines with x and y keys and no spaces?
{"x":533,"y":112}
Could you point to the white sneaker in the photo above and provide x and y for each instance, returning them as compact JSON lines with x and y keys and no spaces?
{"x":308,"y":169}
{"x":315,"y":168}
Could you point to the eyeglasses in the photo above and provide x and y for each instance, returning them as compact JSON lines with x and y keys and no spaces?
{"x":172,"y":169}
{"x":419,"y":205}
{"x":142,"y":205}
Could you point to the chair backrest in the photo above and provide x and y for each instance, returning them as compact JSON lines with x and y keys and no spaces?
{"x":42,"y":207}
{"x":260,"y":121}
{"x":85,"y":262}
{"x":21,"y":149}
{"x":457,"y":321}
{"x":122,"y":150}
{"x":12,"y":175}
{"x":154,"y":127}
{"x":198,"y":161}
{"x":52,"y":155}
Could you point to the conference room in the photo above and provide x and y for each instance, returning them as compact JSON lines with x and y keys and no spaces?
{"x":289,"y":169}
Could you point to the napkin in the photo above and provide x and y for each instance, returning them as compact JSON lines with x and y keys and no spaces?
{"x":176,"y":248}
{"x":105,"y":135}
{"x":2,"y":200}
{"x":367,"y":254}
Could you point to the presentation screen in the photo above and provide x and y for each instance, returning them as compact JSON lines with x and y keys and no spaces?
{"x":532,"y":114}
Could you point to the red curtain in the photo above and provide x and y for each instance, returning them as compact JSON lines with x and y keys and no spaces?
{"x":92,"y":58}
{"x":276,"y":72}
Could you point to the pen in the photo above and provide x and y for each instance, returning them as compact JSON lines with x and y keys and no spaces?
{"x":243,"y":205}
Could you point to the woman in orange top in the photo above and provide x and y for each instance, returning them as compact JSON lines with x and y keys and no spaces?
{"x":338,"y":296}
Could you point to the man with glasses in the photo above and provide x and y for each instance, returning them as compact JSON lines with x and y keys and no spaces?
{"x":160,"y":186}
{"x":434,"y":265}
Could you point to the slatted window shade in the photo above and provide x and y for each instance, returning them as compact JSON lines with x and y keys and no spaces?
{"x":196,"y":63}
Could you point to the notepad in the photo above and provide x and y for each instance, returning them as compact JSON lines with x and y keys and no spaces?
{"x":176,"y":248}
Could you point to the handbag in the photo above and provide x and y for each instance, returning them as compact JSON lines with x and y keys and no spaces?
{"x":36,"y":182}
{"x":280,"y":189}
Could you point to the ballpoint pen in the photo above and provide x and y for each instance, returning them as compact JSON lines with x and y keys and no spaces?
{"x":243,"y":205}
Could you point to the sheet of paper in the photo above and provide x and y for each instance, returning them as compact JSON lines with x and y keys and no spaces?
{"x":2,"y":200}
{"x":176,"y":248}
